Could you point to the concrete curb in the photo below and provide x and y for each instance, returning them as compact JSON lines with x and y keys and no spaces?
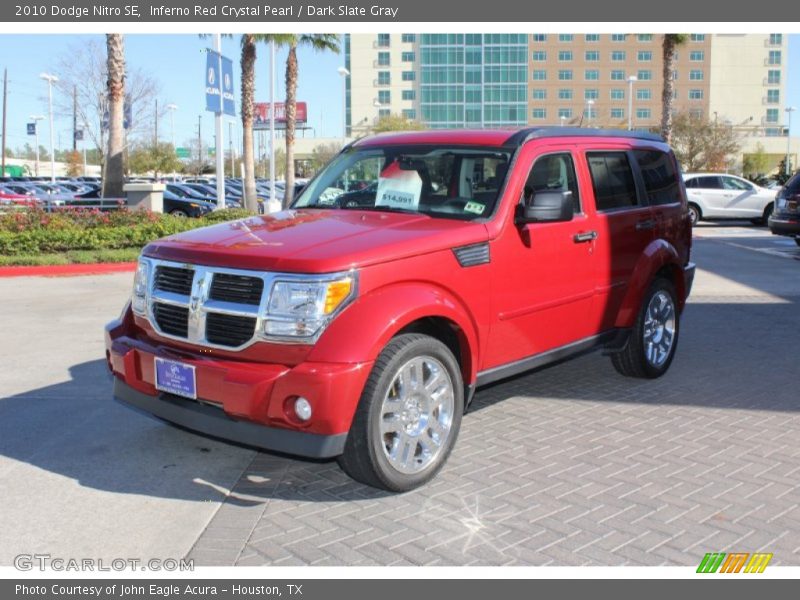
{"x":68,"y":270}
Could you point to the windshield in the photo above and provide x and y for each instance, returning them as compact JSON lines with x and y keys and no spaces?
{"x":451,"y":182}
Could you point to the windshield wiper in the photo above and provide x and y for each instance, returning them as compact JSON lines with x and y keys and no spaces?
{"x":395,"y":209}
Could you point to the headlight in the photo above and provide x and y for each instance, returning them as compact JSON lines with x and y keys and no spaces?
{"x":139,"y":296}
{"x":302,"y":308}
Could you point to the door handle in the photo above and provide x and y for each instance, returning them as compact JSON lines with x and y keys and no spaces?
{"x":645,"y":225}
{"x":587,"y":236}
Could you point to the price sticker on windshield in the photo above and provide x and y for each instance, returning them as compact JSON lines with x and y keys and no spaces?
{"x":398,"y":188}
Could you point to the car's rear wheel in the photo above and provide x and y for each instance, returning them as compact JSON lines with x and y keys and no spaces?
{"x":652,"y":342}
{"x":694,"y":214}
{"x":408,"y":417}
{"x":764,"y":220}
{"x":179,"y":213}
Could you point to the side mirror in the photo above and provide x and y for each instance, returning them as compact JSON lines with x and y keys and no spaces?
{"x":546,"y":207}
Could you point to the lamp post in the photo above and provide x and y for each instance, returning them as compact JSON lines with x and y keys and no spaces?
{"x":631,"y":79}
{"x":51,"y":79}
{"x":589,"y":104}
{"x":562,"y":118}
{"x":36,"y":119}
{"x":789,"y":111}
{"x":172,"y":108}
{"x":344,"y":74}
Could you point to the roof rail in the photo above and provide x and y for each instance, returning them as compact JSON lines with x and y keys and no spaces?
{"x":533,"y":133}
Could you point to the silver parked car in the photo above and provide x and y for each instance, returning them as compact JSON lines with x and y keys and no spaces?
{"x":723,"y":196}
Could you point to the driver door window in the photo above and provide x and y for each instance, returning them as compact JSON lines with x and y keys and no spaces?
{"x":553,"y":172}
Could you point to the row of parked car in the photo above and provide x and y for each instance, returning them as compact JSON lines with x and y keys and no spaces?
{"x":723,"y":196}
{"x":189,"y":197}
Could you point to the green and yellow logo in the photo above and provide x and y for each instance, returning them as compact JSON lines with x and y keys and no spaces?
{"x":734,"y":562}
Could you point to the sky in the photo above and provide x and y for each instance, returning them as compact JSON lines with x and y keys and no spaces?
{"x":177,"y":62}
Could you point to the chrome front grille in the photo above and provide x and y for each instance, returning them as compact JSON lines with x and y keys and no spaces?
{"x":173,"y":279}
{"x":237,"y":288}
{"x":229,"y":330}
{"x":172,"y":319}
{"x":206,"y":305}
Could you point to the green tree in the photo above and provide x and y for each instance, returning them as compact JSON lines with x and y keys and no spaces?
{"x":756,"y":163}
{"x":318,"y":41}
{"x":157,"y":160}
{"x":669,"y":49}
{"x":322,"y":154}
{"x":395,"y":122}
{"x":74,"y":163}
{"x":114,"y":175}
{"x":701,"y":144}
{"x":781,"y":176}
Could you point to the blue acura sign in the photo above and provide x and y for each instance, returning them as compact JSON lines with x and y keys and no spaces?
{"x":228,"y":100}
{"x":213,"y":94}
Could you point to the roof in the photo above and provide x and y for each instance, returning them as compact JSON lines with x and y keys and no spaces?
{"x":496,"y":137}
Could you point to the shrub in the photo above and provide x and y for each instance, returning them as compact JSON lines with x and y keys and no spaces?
{"x":34,"y":231}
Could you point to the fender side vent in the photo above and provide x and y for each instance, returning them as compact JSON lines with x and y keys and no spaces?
{"x":471,"y":256}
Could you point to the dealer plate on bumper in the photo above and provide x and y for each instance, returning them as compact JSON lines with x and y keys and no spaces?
{"x":175,"y":378}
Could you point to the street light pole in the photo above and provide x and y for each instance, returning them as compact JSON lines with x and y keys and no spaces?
{"x":220,"y":154}
{"x":631,"y":79}
{"x":51,"y":79}
{"x":272,"y":198}
{"x":345,"y":74}
{"x":172,"y":108}
{"x":589,"y":104}
{"x":789,"y":111}
{"x":36,"y":119}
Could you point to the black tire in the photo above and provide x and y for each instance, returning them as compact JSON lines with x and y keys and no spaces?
{"x":365,"y":458}
{"x":632,"y":360}
{"x":179,"y":213}
{"x":767,"y":213}
{"x":695,"y":214}
{"x":797,"y":241}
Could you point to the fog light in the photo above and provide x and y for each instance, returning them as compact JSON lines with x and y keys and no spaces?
{"x":302,"y":408}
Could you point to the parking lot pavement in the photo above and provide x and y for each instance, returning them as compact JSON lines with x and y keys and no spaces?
{"x":81,"y":476}
{"x":569,"y":465}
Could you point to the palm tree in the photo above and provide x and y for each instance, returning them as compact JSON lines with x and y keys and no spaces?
{"x":671,"y":42}
{"x":114,"y":177}
{"x":248,"y":63}
{"x":320,"y":42}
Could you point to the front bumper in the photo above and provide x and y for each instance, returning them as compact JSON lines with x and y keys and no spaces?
{"x":213,"y":421}
{"x":784,"y":224}
{"x":240,"y":400}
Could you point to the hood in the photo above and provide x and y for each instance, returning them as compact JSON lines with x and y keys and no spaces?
{"x":316,"y":241}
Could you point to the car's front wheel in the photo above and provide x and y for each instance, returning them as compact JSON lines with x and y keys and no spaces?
{"x":654,"y":337}
{"x":408,"y":417}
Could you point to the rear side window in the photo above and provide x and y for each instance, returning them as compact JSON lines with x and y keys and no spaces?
{"x":659,"y":175}
{"x":793,"y":185}
{"x":708,"y":183}
{"x":612,"y":180}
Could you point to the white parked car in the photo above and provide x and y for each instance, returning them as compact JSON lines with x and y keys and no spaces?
{"x":723,"y":196}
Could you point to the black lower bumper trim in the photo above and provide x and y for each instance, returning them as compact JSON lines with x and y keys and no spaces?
{"x":688,"y":278}
{"x":785,"y":226}
{"x":214,"y":422}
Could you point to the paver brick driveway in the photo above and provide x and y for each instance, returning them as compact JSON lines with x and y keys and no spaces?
{"x":575,"y":464}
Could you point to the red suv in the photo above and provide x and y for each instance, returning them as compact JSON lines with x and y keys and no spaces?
{"x":413,"y":269}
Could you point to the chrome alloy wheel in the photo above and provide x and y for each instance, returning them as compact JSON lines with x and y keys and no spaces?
{"x":659,"y":328}
{"x":417,"y":414}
